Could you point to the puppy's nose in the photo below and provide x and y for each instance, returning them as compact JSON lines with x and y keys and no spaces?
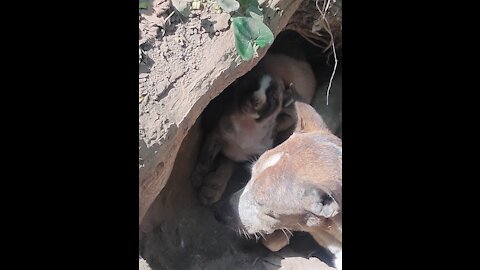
{"x":255,"y":103}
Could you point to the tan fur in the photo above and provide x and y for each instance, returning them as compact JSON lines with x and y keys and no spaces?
{"x":297,"y":186}
{"x":239,"y":136}
{"x":291,"y":70}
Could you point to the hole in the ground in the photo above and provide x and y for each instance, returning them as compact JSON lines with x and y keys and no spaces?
{"x":180,"y":233}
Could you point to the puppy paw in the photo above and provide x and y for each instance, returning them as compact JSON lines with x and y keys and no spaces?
{"x":214,"y":184}
{"x":254,"y":104}
{"x":210,"y":194}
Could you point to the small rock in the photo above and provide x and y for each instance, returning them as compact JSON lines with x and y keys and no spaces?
{"x":181,"y":41}
{"x":196,"y":5}
{"x":161,"y":87}
{"x":177,"y":74}
{"x":204,"y":16}
{"x":221,"y":21}
{"x":143,"y":75}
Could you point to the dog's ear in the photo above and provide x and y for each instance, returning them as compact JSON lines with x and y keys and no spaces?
{"x":320,"y":203}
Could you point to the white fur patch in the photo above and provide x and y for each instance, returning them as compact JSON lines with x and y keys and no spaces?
{"x":338,"y":261}
{"x":270,"y":161}
{"x":337,"y":252}
{"x":264,"y":84}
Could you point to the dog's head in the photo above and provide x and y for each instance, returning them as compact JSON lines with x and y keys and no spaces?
{"x":296,"y":185}
{"x":260,"y":95}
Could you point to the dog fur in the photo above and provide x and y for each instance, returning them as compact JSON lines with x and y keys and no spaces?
{"x":296,"y":186}
{"x":259,"y":115}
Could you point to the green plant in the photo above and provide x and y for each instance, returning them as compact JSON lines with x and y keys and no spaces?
{"x":229,"y":5}
{"x":250,"y":34}
{"x":249,"y":30}
{"x":182,"y":6}
{"x":143,"y":5}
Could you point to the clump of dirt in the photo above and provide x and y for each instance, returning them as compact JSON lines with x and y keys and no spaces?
{"x":171,"y":47}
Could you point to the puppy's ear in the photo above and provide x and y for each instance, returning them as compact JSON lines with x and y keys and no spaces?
{"x":320,"y":203}
{"x":289,"y":95}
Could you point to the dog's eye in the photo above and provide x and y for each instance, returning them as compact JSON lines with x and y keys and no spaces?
{"x":270,"y":215}
{"x":326,"y":199}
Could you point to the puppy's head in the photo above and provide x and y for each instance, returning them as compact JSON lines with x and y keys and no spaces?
{"x":296,"y":185}
{"x":259,"y":95}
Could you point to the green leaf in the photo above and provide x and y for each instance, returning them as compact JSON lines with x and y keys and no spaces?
{"x":249,"y":34}
{"x":247,"y":3}
{"x":251,"y":8}
{"x":228,"y":5}
{"x":143,"y":5}
{"x":182,"y":6}
{"x":243,"y":44}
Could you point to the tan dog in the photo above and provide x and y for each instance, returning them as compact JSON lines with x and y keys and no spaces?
{"x":295,"y":186}
{"x":261,"y":106}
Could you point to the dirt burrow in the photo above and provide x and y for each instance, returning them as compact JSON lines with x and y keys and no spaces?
{"x":185,"y":66}
{"x":180,"y":233}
